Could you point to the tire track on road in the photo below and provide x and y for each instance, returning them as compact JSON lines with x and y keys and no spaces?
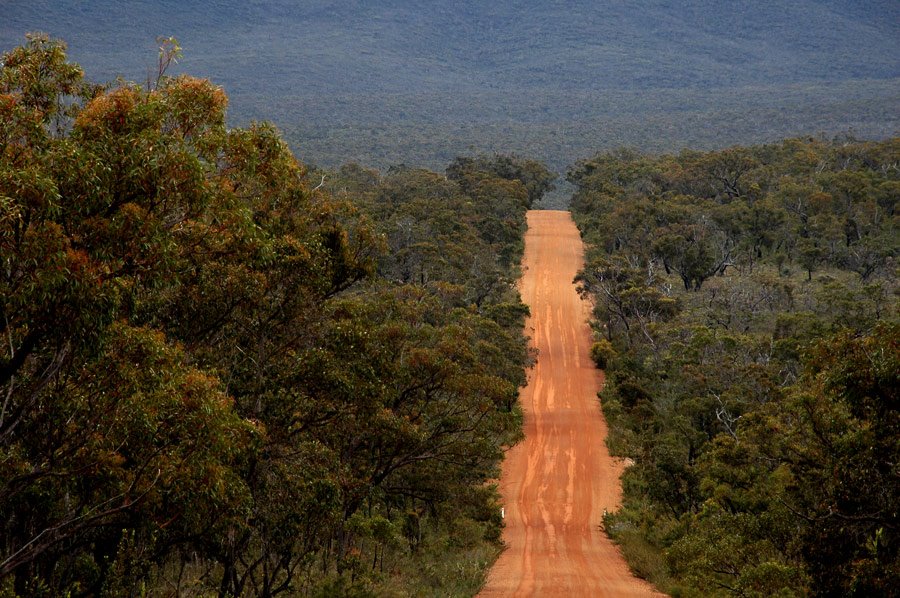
{"x":559,"y":480}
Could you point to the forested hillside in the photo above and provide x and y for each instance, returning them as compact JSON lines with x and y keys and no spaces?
{"x":747,"y":317}
{"x":221,"y":376}
{"x":383,"y":83}
{"x":224,"y":372}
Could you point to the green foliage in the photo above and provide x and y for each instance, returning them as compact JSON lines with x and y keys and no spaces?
{"x":532,"y":174}
{"x":601,"y":352}
{"x":217,"y":378}
{"x":750,"y":298}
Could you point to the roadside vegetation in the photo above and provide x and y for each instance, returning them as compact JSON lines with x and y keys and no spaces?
{"x":220,"y":375}
{"x":223,"y":372}
{"x":747,"y":317}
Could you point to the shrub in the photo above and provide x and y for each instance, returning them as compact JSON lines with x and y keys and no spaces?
{"x":601,"y":352}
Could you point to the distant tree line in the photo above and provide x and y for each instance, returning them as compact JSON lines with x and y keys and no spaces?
{"x":746,"y":307}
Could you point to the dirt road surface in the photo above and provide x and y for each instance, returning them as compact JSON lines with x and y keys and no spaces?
{"x":558,"y":481}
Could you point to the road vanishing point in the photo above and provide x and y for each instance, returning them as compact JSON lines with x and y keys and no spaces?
{"x":557,"y":483}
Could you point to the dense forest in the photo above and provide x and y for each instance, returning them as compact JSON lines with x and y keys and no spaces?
{"x":221,"y":374}
{"x":746,"y":314}
{"x":420,"y":82}
{"x":224,"y":372}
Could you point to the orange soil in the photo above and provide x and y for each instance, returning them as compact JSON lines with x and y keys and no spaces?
{"x":559,"y":480}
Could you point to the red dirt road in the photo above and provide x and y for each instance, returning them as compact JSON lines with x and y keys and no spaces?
{"x":558,"y":481}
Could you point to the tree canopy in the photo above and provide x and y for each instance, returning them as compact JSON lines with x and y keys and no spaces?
{"x":746,"y":312}
{"x":216,"y":377}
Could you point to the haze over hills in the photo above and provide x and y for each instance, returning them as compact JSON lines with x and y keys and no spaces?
{"x":419,"y":82}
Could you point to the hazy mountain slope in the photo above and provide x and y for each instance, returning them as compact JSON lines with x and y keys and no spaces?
{"x":392,"y":45}
{"x":321,"y":67}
